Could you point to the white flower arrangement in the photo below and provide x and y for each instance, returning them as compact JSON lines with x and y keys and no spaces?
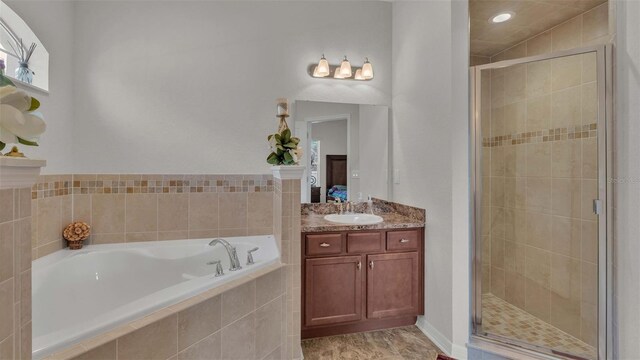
{"x":19,"y":122}
{"x":284,"y":148}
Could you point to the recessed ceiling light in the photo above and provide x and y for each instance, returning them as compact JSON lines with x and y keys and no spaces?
{"x":501,"y":17}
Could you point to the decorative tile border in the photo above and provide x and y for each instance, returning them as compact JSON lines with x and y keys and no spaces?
{"x":59,"y":185}
{"x":52,"y":185}
{"x":558,"y":134}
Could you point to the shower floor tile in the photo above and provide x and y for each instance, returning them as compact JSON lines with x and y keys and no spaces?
{"x":501,"y":318}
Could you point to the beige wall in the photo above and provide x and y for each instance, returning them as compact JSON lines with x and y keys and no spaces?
{"x":129,"y":208}
{"x":539,"y":180}
{"x":15,"y":274}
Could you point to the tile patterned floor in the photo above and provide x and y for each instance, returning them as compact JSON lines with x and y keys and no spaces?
{"x":405,"y":343}
{"x":501,"y":318}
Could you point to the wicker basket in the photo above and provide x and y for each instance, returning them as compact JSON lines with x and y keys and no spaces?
{"x":75,"y":245}
{"x":76,"y":233}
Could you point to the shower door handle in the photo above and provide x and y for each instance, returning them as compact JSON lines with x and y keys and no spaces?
{"x":597,"y":206}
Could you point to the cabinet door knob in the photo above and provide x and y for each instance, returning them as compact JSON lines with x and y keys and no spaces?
{"x":359,"y":265}
{"x":404,"y":240}
{"x":371,"y":264}
{"x":324,"y":244}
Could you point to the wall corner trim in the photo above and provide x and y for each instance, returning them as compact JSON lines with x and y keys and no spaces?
{"x":288,"y":172}
{"x":19,"y":172}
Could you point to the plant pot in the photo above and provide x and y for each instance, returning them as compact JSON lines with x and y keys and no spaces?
{"x":75,"y":245}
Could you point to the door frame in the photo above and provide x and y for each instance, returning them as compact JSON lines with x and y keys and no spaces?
{"x":604,"y":72}
{"x":309,"y":121}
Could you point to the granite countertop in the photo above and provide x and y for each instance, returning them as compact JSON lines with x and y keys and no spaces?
{"x":317,"y":223}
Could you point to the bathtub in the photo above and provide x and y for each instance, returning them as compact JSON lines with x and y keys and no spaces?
{"x":78,"y":294}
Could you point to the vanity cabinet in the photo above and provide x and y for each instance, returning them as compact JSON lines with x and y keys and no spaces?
{"x":333,"y":292}
{"x":393,"y":285}
{"x":361,"y":280}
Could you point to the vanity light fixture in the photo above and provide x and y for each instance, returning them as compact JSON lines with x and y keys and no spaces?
{"x":502,"y":17}
{"x":358,"y":75}
{"x":344,"y":71}
{"x":323,"y":68}
{"x":367,"y":69}
{"x":345,"y":68}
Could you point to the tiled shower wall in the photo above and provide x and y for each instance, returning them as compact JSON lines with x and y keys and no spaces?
{"x":128,"y":208}
{"x":539,"y":180}
{"x":15,"y":274}
{"x":539,"y":177}
{"x":588,"y":28}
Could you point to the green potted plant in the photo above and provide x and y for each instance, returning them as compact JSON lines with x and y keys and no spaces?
{"x":284,"y":148}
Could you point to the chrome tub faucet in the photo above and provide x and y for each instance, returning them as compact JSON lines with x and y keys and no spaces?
{"x":231,"y":251}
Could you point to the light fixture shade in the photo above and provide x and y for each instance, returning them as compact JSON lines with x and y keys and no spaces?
{"x":358,"y":75}
{"x":337,"y":75}
{"x":345,"y":68}
{"x":315,"y":72}
{"x":367,"y":70}
{"x":323,"y":67}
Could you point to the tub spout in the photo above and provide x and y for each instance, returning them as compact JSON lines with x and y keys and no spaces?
{"x":231,"y":251}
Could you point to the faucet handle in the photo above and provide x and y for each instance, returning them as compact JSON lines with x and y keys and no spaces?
{"x":250,"y":255}
{"x":218,"y":264}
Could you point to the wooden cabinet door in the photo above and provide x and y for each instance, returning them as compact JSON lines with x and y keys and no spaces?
{"x":333,"y":290}
{"x":393,"y":285}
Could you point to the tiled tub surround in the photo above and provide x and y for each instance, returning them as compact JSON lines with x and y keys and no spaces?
{"x":539,"y":177}
{"x":286,"y":206}
{"x":245,"y":319}
{"x":15,"y":273}
{"x":394,"y":215}
{"x":282,"y":212}
{"x":131,"y":208}
{"x":104,"y":295}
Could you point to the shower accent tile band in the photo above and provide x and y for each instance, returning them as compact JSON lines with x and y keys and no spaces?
{"x":577,"y":132}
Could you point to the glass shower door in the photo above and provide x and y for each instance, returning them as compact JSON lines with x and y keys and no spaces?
{"x":539,"y":181}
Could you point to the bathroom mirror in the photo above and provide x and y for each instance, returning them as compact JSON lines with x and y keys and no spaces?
{"x":346,"y":150}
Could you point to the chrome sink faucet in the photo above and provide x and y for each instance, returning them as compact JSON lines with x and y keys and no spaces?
{"x":340,"y":207}
{"x":231,"y":250}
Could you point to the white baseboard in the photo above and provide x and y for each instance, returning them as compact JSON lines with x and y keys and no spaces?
{"x":459,"y":352}
{"x":456,"y":351}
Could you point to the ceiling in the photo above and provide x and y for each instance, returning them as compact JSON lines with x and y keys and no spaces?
{"x":531,"y":18}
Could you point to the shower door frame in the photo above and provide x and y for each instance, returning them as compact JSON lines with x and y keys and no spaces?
{"x":604,"y":73}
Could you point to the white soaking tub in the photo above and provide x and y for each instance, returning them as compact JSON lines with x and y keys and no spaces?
{"x":78,"y":294}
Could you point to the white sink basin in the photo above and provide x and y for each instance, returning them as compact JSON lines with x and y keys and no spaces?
{"x":356,"y":219}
